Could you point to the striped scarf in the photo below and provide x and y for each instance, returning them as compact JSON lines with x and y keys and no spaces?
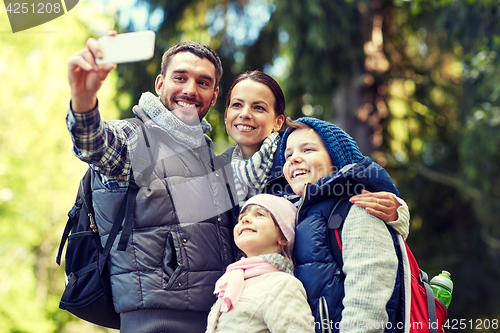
{"x":250,"y":175}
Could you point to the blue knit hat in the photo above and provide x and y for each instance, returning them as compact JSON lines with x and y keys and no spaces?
{"x":341,"y":147}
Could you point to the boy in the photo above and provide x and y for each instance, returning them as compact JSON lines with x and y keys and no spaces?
{"x":322,"y":164}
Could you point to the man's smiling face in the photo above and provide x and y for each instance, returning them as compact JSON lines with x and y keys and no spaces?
{"x":188,"y":88}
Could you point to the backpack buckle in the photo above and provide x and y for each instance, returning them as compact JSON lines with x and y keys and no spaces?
{"x":74,"y":210}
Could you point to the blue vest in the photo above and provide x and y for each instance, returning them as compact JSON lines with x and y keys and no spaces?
{"x":316,"y":267}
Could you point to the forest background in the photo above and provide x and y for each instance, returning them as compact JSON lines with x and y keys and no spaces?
{"x":416,"y":83}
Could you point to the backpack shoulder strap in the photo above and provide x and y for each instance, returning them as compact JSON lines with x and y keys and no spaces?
{"x":335,"y":223}
{"x":126,"y":211}
{"x":431,"y":302}
{"x":127,"y":208}
{"x":84,"y":200}
{"x":141,"y":125}
{"x":136,"y":121}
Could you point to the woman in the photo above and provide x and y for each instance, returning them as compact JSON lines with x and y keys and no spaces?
{"x":255,"y":108}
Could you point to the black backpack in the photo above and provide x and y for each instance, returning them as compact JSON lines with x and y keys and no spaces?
{"x":88,"y":291}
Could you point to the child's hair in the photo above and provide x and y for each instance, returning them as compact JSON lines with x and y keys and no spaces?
{"x":282,"y":212}
{"x":292,"y":125}
{"x":283,"y":243}
{"x":342,"y":148}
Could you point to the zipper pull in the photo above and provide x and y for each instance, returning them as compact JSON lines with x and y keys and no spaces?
{"x":338,"y":274}
{"x":93,"y":226}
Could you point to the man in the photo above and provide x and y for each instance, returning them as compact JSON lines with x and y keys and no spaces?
{"x":181,"y":239}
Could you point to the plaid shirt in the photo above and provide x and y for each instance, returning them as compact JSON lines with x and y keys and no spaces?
{"x":104,"y":145}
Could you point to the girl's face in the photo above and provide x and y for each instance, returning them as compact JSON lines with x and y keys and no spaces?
{"x":256,"y":233}
{"x":251,"y":117}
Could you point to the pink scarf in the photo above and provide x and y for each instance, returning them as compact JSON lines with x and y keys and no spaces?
{"x":230,"y":285}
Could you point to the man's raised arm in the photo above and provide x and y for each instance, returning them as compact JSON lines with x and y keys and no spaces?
{"x":86,"y":77}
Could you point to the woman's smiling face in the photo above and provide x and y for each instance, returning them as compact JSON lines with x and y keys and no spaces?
{"x":250,"y":116}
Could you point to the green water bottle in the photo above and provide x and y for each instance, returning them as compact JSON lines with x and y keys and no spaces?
{"x":442,"y":286}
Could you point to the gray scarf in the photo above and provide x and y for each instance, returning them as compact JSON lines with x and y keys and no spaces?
{"x":280,"y":262}
{"x":250,"y":175}
{"x":182,"y":133}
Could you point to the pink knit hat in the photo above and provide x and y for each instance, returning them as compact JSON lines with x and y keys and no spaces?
{"x":282,"y":210}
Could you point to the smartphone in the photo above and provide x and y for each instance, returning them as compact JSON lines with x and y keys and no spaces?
{"x":127,"y":47}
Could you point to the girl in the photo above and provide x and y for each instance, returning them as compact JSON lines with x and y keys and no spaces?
{"x":255,"y":108}
{"x":259,"y":292}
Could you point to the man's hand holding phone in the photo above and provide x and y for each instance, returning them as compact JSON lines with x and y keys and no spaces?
{"x":89,"y":67}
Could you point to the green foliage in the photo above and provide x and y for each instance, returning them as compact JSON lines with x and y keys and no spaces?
{"x":325,"y":41}
{"x":38,"y":173}
{"x":442,"y":94}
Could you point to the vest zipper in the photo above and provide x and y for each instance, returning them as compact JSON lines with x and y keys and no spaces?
{"x":300,"y":206}
{"x":337,"y":275}
{"x":210,"y":164}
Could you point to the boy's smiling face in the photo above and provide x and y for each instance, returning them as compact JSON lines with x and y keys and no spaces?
{"x":307,"y":159}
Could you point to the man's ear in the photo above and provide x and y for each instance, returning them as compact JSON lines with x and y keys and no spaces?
{"x":158,"y":84}
{"x":214,"y":97}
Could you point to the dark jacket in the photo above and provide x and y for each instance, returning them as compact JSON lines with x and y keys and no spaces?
{"x":316,"y":267}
